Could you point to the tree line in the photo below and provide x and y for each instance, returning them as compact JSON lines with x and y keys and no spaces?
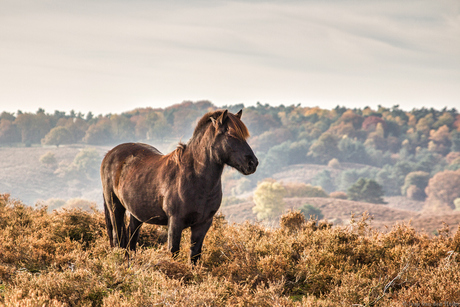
{"x":59,"y":128}
{"x":402,"y":150}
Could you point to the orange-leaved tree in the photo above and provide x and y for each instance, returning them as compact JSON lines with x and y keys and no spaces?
{"x":442,"y":190}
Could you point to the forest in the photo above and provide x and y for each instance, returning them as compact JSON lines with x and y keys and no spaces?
{"x":388,"y":151}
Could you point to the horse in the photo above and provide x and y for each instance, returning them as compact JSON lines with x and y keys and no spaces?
{"x":181,"y":189}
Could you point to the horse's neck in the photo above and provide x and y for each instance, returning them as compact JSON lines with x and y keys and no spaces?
{"x":203,"y":164}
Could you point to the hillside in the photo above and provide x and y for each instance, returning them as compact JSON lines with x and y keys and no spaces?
{"x":307,"y":172}
{"x":25,"y":178}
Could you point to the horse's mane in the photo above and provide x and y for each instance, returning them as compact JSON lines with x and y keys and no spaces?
{"x":237,"y":129}
{"x":176,"y":155}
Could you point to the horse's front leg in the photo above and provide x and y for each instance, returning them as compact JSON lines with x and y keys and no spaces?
{"x":175,"y":227}
{"x":134,"y":230}
{"x":198,"y":233}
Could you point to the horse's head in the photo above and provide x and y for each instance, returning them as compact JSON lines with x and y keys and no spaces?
{"x":229,"y":144}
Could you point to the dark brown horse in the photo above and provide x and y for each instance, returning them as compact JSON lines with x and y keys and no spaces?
{"x":181,"y":189}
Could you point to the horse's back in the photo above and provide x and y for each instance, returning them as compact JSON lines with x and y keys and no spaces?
{"x":136,"y":149}
{"x":123,"y":156}
{"x":123,"y":151}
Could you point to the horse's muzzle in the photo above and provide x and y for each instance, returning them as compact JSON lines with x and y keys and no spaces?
{"x":251,"y":164}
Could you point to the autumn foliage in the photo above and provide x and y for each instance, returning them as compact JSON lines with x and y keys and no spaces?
{"x":390,"y":146}
{"x":442,"y":190}
{"x":64,"y":259}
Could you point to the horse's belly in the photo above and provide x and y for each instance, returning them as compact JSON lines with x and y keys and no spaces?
{"x":157,"y":221}
{"x":147,"y":212}
{"x":150,"y":216}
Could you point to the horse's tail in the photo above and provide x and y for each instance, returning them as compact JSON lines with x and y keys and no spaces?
{"x":108,"y":222}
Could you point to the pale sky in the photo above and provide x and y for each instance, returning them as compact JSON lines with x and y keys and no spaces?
{"x":113,"y":56}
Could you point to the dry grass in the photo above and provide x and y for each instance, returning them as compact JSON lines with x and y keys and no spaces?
{"x":63,"y":259}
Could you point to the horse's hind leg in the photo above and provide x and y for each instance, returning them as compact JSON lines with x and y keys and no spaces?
{"x":117,"y":218}
{"x":134,"y":230}
{"x":108,"y":222}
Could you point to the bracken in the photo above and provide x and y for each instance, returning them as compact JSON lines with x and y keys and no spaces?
{"x":63,"y":259}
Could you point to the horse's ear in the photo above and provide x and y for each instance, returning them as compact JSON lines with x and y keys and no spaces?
{"x":221,"y":119}
{"x":240,"y":112}
{"x":217,"y":122}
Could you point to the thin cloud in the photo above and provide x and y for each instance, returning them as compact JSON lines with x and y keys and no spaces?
{"x":106,"y":56}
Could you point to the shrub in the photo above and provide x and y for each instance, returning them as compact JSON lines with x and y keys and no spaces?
{"x":292,"y":221}
{"x":49,"y":159}
{"x":86,"y":164}
{"x":442,"y":190}
{"x":415,"y":193}
{"x":334,"y":163}
{"x":367,"y":190}
{"x":303,"y":190}
{"x":76,"y":225}
{"x":35,"y":240}
{"x":311,"y":211}
{"x":87,"y":161}
{"x":348,"y":177}
{"x":64,"y":259}
{"x":268,"y":200}
{"x":418,"y":179}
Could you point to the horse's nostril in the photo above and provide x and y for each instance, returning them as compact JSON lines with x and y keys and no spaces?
{"x":252,"y":162}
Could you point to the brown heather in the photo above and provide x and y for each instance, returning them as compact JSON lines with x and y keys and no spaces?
{"x":64,"y":259}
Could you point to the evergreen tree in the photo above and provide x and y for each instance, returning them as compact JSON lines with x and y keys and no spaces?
{"x":309,"y":210}
{"x":367,"y":190}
